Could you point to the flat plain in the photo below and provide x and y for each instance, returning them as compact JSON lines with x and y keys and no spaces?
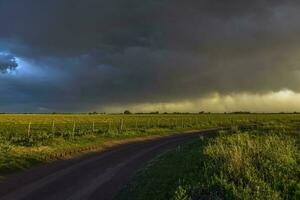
{"x":252,"y":155}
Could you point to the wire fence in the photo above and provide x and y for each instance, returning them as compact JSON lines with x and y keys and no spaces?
{"x":95,"y":126}
{"x":31,"y":133}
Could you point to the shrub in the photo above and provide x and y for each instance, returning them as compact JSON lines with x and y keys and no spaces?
{"x":127,"y":112}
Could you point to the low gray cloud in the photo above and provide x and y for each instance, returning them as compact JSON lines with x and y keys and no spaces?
{"x":96,"y":53}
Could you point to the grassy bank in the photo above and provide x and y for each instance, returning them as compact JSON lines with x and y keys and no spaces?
{"x":255,"y":164}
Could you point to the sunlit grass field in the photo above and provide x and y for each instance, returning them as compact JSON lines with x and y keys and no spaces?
{"x":30,"y":139}
{"x":260,"y":162}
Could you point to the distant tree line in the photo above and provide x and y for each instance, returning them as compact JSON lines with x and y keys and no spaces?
{"x":128,"y":112}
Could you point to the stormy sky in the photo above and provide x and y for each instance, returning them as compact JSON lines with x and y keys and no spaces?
{"x":167,"y":55}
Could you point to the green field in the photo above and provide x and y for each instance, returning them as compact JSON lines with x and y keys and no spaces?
{"x":30,"y":139}
{"x":261,"y":162}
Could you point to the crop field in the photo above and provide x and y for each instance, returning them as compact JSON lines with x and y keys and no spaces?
{"x":29,"y":139}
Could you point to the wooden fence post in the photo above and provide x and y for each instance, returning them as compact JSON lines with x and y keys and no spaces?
{"x":121,"y":125}
{"x":136,"y":124}
{"x":53,"y":127}
{"x":93,"y":127}
{"x":74,"y":128}
{"x":29,"y":128}
{"x":109,"y":126}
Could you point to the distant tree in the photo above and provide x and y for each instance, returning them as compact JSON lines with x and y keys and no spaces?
{"x":127,"y":112}
{"x":93,"y":113}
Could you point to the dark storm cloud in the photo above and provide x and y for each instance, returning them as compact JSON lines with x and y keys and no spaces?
{"x":134,"y":51}
{"x":7,"y":63}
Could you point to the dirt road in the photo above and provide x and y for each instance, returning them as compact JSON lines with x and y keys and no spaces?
{"x":96,"y":176}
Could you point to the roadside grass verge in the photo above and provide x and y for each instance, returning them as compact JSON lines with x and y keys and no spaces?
{"x":15,"y":158}
{"x":235,"y":165}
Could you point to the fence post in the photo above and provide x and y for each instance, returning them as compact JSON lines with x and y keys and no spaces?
{"x":53,"y":127}
{"x":109,"y":126}
{"x":121,"y":125}
{"x":29,"y":127}
{"x":74,"y":128}
{"x":93,"y":126}
{"x":136,"y":124}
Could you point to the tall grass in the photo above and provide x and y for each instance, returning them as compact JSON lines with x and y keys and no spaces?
{"x":263,"y":163}
{"x":254,"y":166}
